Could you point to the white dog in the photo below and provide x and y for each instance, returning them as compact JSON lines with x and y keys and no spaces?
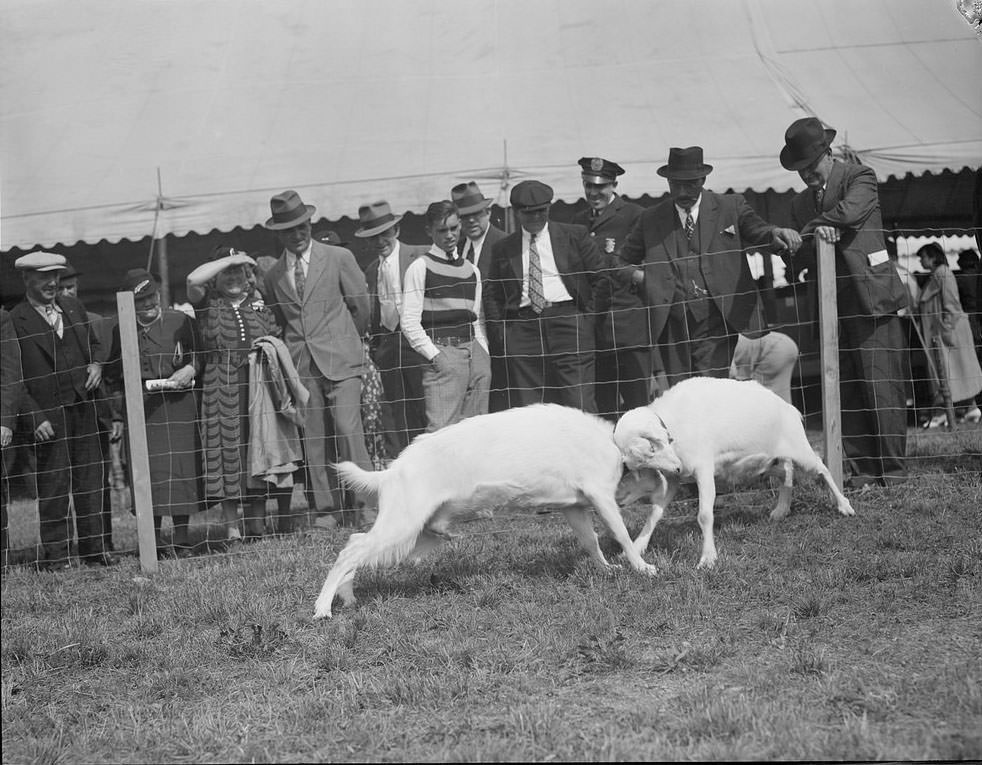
{"x":543,"y":454}
{"x":704,"y":428}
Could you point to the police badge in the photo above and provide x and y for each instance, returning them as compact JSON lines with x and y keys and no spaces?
{"x":596,"y":164}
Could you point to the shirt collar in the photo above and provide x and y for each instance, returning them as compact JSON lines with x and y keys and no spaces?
{"x":43,"y":307}
{"x":543,"y":234}
{"x":694,"y":210}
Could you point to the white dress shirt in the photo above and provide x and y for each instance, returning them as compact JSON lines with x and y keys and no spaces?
{"x":553,"y":288}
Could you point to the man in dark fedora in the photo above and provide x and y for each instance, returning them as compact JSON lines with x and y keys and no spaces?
{"x":402,"y":409}
{"x":841,"y":206}
{"x":478,"y":238}
{"x":540,"y":306}
{"x":320,"y":300}
{"x":59,"y":356}
{"x":689,"y":253}
{"x":623,"y":346}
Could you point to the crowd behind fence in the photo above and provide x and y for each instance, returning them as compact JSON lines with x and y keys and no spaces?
{"x":149,"y":456}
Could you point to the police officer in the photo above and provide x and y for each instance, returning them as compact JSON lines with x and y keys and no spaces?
{"x":624,"y":354}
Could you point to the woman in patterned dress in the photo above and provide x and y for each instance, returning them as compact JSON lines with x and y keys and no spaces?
{"x":231,"y":315}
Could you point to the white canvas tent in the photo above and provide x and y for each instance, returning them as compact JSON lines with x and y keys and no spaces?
{"x":350,"y":101}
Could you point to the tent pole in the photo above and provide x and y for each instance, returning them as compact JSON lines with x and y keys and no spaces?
{"x":164,"y":273}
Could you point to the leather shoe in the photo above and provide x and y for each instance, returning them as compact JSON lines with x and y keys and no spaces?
{"x":59,"y":564}
{"x":100,"y":559}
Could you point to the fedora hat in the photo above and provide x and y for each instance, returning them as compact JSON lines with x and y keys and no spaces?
{"x":467,"y":197}
{"x":288,"y":211}
{"x":375,"y":218}
{"x":805,"y":141}
{"x":599,"y":170}
{"x":685,"y":164}
{"x":40,"y":261}
{"x":531,"y":195}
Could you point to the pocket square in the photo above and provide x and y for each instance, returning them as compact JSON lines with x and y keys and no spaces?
{"x":729,"y":231}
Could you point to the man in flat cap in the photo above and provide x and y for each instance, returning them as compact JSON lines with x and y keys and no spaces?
{"x":623,"y":346}
{"x":539,"y":305}
{"x":320,"y":300}
{"x":478,"y":238}
{"x":59,"y":357}
{"x":689,"y":254}
{"x":841,"y":205}
{"x":400,"y":367}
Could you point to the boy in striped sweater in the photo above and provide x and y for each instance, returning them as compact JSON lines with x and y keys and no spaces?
{"x":442,"y":322}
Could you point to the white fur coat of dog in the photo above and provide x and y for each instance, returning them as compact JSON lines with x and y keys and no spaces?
{"x":704,"y":428}
{"x":529,"y":456}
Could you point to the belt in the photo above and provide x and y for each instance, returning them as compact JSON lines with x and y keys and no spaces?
{"x":528,"y":313}
{"x":453,"y":340}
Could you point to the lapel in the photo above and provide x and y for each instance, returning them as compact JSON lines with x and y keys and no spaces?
{"x":406,"y":256}
{"x":35,"y":329}
{"x":666,"y":225}
{"x":708,"y":219}
{"x":833,"y":187}
{"x":606,"y":214}
{"x":277,"y":277}
{"x":79,"y":325}
{"x":560,"y":252}
{"x":315,"y":270}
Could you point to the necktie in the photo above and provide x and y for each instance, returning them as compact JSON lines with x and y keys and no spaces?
{"x":819,"y":196}
{"x":54,"y":319}
{"x":690,"y":225}
{"x":536,"y":296}
{"x":470,"y":252}
{"x":298,"y":276}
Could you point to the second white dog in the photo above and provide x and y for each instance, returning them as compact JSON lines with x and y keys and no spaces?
{"x":530,"y":456}
{"x":704,"y":428}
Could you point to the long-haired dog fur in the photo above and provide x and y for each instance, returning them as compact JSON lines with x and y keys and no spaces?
{"x":544,"y":454}
{"x":706,"y":428}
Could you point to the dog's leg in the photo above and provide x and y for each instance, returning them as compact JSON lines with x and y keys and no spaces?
{"x":426,"y":543}
{"x":659,"y":501}
{"x":841,"y":503}
{"x":707,"y":498}
{"x":784,"y":493}
{"x":579,"y":520}
{"x":606,"y":507}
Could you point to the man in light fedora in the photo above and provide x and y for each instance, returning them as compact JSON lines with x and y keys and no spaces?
{"x":689,"y":254}
{"x":623,"y":347}
{"x":60,"y":355}
{"x":403,"y":414}
{"x":841,"y":206}
{"x":320,"y":300}
{"x":478,"y":237}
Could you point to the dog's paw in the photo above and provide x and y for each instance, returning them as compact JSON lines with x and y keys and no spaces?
{"x":707,"y":561}
{"x":322,"y":613}
{"x":780,"y":512}
{"x":648,"y":568}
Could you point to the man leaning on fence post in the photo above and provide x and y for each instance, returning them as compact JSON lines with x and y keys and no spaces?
{"x":841,"y":206}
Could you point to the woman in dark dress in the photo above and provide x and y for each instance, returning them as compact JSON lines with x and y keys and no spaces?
{"x":231,"y":315}
{"x":169,"y":364}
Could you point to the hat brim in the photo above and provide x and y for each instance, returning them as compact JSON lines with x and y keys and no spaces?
{"x":684,"y":175}
{"x":309,"y":211}
{"x":479,"y":207}
{"x":364,"y":233}
{"x":594,"y":178}
{"x":800,"y":163}
{"x":42,"y":268}
{"x":532,"y":208}
{"x":238,"y":259}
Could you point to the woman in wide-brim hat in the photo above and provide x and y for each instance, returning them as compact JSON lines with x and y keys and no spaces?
{"x":231,"y":316}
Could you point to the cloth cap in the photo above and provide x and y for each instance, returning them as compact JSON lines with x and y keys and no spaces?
{"x":140,"y":282}
{"x":40,"y":261}
{"x":531,"y":195}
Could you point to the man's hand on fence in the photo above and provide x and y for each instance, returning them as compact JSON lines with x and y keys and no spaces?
{"x":786,"y":239}
{"x":827,"y":233}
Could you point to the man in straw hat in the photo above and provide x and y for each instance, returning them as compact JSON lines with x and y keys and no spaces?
{"x":623,"y":346}
{"x":400,"y":368}
{"x":478,"y":237}
{"x":320,"y":300}
{"x":841,"y":205}
{"x":689,"y":251}
{"x":59,"y":356}
{"x":539,"y":303}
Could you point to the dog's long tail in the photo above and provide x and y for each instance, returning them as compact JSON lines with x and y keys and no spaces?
{"x":360,"y":480}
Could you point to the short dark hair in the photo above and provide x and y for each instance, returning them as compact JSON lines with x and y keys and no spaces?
{"x":968,"y":260}
{"x":934,"y":252}
{"x":439,"y":212}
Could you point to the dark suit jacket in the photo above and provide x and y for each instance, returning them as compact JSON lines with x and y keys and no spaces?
{"x":621,"y":317}
{"x":327,"y":325}
{"x":37,"y":352}
{"x":579,"y":262}
{"x":407,"y":254}
{"x":491,"y":238}
{"x":12,"y":393}
{"x":852,"y":205}
{"x":727,"y":224}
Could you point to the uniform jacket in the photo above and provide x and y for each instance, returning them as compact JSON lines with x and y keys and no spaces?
{"x":37,"y":352}
{"x":579,"y":262}
{"x":727,"y":225}
{"x":852,"y":205}
{"x":407,"y":254}
{"x":622,"y":319}
{"x":324,"y":328}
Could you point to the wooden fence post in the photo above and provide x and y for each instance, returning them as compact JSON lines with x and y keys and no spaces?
{"x":137,"y":432}
{"x":829,"y":348}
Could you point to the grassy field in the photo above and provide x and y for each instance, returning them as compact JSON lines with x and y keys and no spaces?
{"x":819,"y":637}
